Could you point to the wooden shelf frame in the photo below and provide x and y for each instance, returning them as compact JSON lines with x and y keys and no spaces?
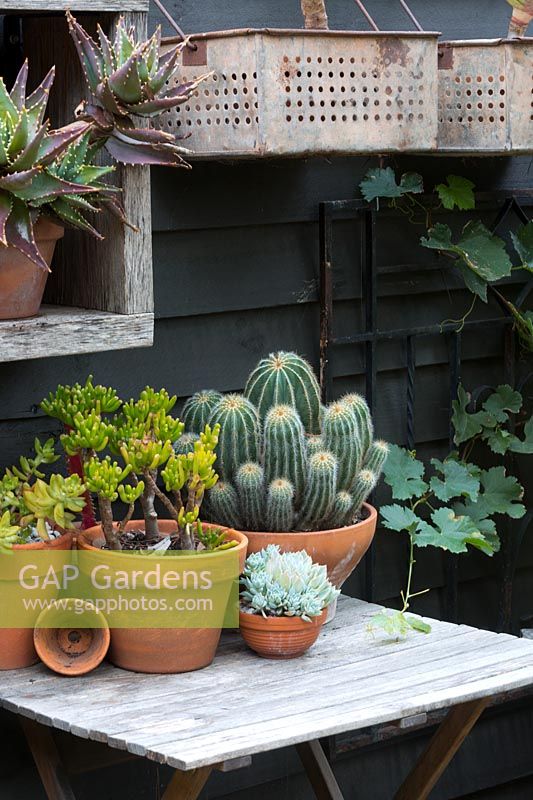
{"x":100,"y":293}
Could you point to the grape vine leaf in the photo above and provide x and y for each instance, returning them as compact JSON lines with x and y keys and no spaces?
{"x":397,"y":624}
{"x":467,"y":425}
{"x":457,"y":480}
{"x":404,"y":474}
{"x":398,"y":518}
{"x":452,"y":533}
{"x":484,"y":524}
{"x":456,"y":192}
{"x":523,"y":244}
{"x":500,"y":440}
{"x":501,"y":494}
{"x":381,"y":183}
{"x":478,"y":249}
{"x":526,"y":445}
{"x":502,"y":400}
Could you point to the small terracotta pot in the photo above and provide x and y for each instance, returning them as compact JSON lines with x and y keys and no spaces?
{"x":22,"y":282}
{"x":71,"y":650}
{"x":162,"y":650}
{"x":280,"y":637}
{"x":16,"y":644}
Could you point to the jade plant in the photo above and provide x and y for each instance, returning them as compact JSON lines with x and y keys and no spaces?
{"x":459,"y":505}
{"x":44,"y":171}
{"x":285,"y":462}
{"x":123,"y":455}
{"x":276,"y":584}
{"x":130,"y":78}
{"x":32,"y":504}
{"x":480,"y":257}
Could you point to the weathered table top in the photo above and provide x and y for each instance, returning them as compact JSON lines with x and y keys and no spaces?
{"x":243,"y":704}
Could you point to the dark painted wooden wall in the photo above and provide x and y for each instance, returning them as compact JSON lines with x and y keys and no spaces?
{"x":235,"y":267}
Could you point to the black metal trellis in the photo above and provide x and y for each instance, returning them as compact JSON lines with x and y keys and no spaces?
{"x":512,"y":202}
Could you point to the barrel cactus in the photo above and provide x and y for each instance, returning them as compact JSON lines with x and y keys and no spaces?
{"x":286,"y":378}
{"x":197,"y":410}
{"x":276,"y":475}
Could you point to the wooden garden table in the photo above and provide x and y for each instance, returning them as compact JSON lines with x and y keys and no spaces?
{"x":242,"y":705}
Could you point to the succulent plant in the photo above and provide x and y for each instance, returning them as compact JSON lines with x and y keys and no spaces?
{"x":130,"y":78}
{"x":42,"y":170}
{"x":286,"y":378}
{"x":57,"y":501}
{"x":140,"y":436}
{"x":197,"y":410}
{"x":277,"y":584}
{"x":9,"y":533}
{"x":275,"y":477}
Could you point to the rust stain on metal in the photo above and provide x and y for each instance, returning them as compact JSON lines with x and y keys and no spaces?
{"x":197,"y":57}
{"x":445,"y":56}
{"x":288,"y":71}
{"x":393,"y":50}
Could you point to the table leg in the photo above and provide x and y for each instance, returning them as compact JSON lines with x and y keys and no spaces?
{"x":445,"y":743}
{"x":187,"y":785}
{"x":43,"y":749}
{"x":319,"y":771}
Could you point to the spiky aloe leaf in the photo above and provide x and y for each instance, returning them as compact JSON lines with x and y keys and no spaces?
{"x":57,"y":142}
{"x":108,"y":57}
{"x":90,"y":174}
{"x":7,"y":106}
{"x":19,"y":233}
{"x":30,"y":155}
{"x":165,"y":71}
{"x":71,"y":216}
{"x":18,"y":180}
{"x":105,"y":95}
{"x":45,"y":184}
{"x":135,"y":152}
{"x":180,"y":94}
{"x":123,"y":43}
{"x":150,"y":135}
{"x":19,"y":138}
{"x":6,"y":205}
{"x":126,"y":82}
{"x":37,"y":101}
{"x":88,"y":52}
{"x":18,"y":92}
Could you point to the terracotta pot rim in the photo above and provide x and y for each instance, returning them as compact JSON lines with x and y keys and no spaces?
{"x":46,"y":229}
{"x":280,"y":624}
{"x":372,"y":515}
{"x":53,"y":544}
{"x":92,"y":533}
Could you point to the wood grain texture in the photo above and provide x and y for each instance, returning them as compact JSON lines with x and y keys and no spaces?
{"x":359,"y":681}
{"x":59,"y":331}
{"x":443,"y":746}
{"x":92,"y":6}
{"x":114,"y":274}
{"x":187,"y":785}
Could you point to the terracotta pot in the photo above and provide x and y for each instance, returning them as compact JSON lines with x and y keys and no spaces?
{"x":280,"y":637}
{"x":162,"y":650}
{"x":22,"y":282}
{"x":17,"y":649}
{"x":340,"y":549}
{"x":71,"y":650}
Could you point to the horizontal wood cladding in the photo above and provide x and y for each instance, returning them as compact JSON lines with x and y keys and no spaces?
{"x":90,"y":6}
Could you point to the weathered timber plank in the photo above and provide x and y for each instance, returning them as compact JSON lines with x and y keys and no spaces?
{"x":443,"y":746}
{"x":59,"y":331}
{"x":92,"y":6}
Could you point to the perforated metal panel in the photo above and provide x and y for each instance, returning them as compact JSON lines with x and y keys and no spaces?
{"x":486,"y":97}
{"x":301,"y":92}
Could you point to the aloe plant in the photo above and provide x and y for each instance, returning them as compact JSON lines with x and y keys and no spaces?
{"x":43,"y":171}
{"x":130,"y":78}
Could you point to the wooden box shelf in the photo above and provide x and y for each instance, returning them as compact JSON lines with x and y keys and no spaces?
{"x":100,"y":293}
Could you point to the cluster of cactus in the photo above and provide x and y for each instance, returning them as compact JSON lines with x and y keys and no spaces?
{"x":129,"y":78}
{"x":43,"y":170}
{"x":30,"y":502}
{"x":277,"y":584}
{"x":140,"y":435}
{"x":285,"y":461}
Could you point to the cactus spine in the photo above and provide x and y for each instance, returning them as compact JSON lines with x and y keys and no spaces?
{"x":286,"y":378}
{"x":363,"y":416}
{"x":285,"y":452}
{"x":314,"y":443}
{"x":320,"y":491}
{"x":340,"y":513}
{"x":363,"y":486}
{"x":280,"y":505}
{"x":223,"y":505}
{"x":185,"y":444}
{"x":250,"y":483}
{"x":342,"y":436}
{"x":197,"y":410}
{"x":240,"y":430}
{"x":376,"y":456}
